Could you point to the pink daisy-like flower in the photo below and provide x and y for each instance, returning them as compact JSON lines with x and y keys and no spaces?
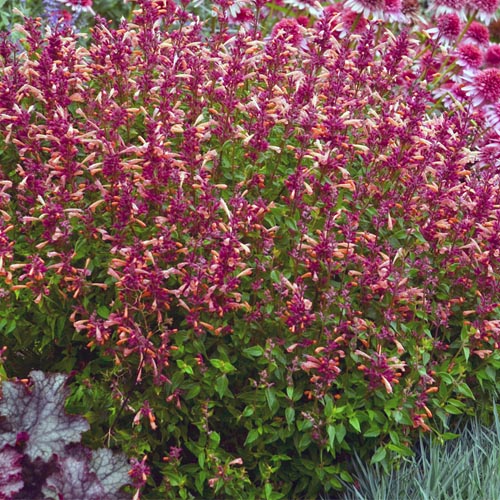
{"x":447,"y":29}
{"x":477,"y":33}
{"x":393,"y":11}
{"x":387,"y":10}
{"x":369,"y":8}
{"x":78,"y":5}
{"x":348,"y":18}
{"x":312,"y":7}
{"x":492,"y":114}
{"x":486,"y":9}
{"x":449,"y":7}
{"x":492,"y":55}
{"x":449,"y":93}
{"x":469,"y":56}
{"x":484,"y":86}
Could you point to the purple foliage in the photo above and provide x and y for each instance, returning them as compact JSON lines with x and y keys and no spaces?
{"x":35,"y":454}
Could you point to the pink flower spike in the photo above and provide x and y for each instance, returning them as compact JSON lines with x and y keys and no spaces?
{"x":484,"y":87}
{"x":287,"y":30}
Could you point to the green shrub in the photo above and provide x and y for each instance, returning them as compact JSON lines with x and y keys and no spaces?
{"x":255,"y":252}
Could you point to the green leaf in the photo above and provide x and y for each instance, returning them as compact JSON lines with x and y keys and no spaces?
{"x":177,"y":379}
{"x":290,"y":415}
{"x":466,"y":353}
{"x":330,"y":429}
{"x":491,"y":373}
{"x":340,"y":432}
{"x":199,"y":481}
{"x":465,"y":390}
{"x":248,"y":411}
{"x":271,"y":399}
{"x":345,"y":476}
{"x":304,"y":442}
{"x":354,"y":421}
{"x":223,"y":366}
{"x":378,"y":456}
{"x":268,"y":489}
{"x":373,"y":432}
{"x":404,"y":451}
{"x":221,"y":385}
{"x":328,"y":406}
{"x":445,"y":377}
{"x":251,"y":437}
{"x":275,"y":276}
{"x":193,"y":392}
{"x":103,"y":312}
{"x":447,"y":436}
{"x":184,"y":368}
{"x":255,"y":351}
{"x":214,"y":439}
{"x":453,"y":410}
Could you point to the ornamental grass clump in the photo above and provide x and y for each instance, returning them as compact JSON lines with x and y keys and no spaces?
{"x":254,"y":251}
{"x":465,"y":467}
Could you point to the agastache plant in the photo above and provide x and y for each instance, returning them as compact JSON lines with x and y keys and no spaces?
{"x":257,"y":250}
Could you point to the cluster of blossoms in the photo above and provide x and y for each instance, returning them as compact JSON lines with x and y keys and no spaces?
{"x":317,"y":187}
{"x":471,"y":64}
{"x":67,"y":10}
{"x":483,"y":10}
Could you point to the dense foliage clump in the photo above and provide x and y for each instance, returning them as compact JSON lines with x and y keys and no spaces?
{"x":256,"y":251}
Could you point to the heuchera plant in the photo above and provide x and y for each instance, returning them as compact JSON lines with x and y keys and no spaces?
{"x":256,"y":250}
{"x":40,"y":454}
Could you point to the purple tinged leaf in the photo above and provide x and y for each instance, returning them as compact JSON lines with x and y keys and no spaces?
{"x":10,"y":472}
{"x":74,"y":480}
{"x":39,"y":412}
{"x":111,"y":469}
{"x":92,"y":476}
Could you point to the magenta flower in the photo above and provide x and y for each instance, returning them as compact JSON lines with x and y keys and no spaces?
{"x":393,"y":11}
{"x":484,"y":87}
{"x":469,"y":56}
{"x":78,"y":6}
{"x":449,"y":7}
{"x":388,"y":10}
{"x":139,"y":472}
{"x":477,"y":33}
{"x":368,"y":8}
{"x":492,"y":55}
{"x":485,"y":9}
{"x":492,"y":115}
{"x":381,"y":370}
{"x":288,"y":31}
{"x":447,"y":29}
